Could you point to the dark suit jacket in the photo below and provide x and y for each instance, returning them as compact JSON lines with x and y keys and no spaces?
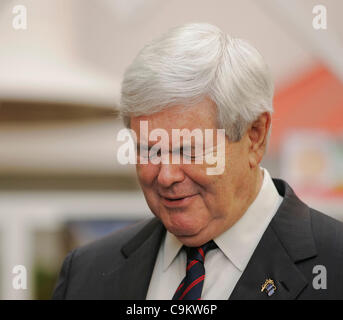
{"x":298,"y":238}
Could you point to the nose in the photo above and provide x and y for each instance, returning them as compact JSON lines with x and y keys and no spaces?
{"x":170,"y":174}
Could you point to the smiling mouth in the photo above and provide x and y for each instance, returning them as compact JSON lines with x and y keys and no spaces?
{"x":177,"y":201}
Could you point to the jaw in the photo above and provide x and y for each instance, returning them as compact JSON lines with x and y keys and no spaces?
{"x":195,"y":234}
{"x":182,"y":223}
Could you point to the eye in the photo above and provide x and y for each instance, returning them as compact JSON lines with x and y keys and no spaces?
{"x":189,"y":156}
{"x":155,"y":151}
{"x":142,"y":151}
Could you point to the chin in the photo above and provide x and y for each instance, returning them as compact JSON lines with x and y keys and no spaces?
{"x":184,"y":229}
{"x":184,"y":224}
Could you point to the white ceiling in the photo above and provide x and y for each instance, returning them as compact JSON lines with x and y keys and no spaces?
{"x":79,"y":49}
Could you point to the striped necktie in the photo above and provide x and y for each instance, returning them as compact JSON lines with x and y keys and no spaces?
{"x":191,"y":286}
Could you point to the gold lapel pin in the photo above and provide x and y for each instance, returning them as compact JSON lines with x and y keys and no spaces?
{"x":269,"y":286}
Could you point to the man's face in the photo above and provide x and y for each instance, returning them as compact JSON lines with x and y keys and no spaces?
{"x":208,"y":204}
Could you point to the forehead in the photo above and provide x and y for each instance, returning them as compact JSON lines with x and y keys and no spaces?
{"x":202,"y":116}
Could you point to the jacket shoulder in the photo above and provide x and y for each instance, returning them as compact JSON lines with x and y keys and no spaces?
{"x":84,"y":265}
{"x":111,"y":244}
{"x":327,"y":232}
{"x":326,"y":268}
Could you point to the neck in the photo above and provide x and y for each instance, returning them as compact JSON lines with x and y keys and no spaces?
{"x":252,"y":189}
{"x":258,"y":176}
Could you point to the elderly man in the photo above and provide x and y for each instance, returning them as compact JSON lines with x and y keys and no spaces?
{"x":234,"y":233}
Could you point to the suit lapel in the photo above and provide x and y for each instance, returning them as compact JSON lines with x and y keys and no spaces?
{"x":287,"y":240}
{"x":131,"y":278}
{"x":269,"y":261}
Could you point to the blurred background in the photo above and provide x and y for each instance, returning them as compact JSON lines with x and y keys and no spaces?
{"x":61,"y":185}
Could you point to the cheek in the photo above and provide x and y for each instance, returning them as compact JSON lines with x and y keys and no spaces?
{"x":211,"y":188}
{"x":210,"y":185}
{"x":216,"y":190}
{"x":197,"y":173}
{"x":146,"y":174}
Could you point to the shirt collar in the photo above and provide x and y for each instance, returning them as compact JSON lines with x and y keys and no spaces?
{"x":239,"y":242}
{"x":172,"y":247}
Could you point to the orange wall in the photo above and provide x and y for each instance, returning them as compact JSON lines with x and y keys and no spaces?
{"x":313,"y":100}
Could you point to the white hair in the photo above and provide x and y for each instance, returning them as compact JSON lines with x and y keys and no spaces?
{"x":195,"y":61}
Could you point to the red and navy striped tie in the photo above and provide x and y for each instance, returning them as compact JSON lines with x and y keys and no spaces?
{"x":191,"y":286}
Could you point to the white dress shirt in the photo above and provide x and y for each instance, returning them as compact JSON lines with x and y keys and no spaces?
{"x":225,"y":264}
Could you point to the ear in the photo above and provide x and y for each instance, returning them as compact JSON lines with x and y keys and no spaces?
{"x":258,"y":136}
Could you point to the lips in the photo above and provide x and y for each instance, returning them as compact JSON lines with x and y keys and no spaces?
{"x":176,"y":198}
{"x":177,"y":201}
